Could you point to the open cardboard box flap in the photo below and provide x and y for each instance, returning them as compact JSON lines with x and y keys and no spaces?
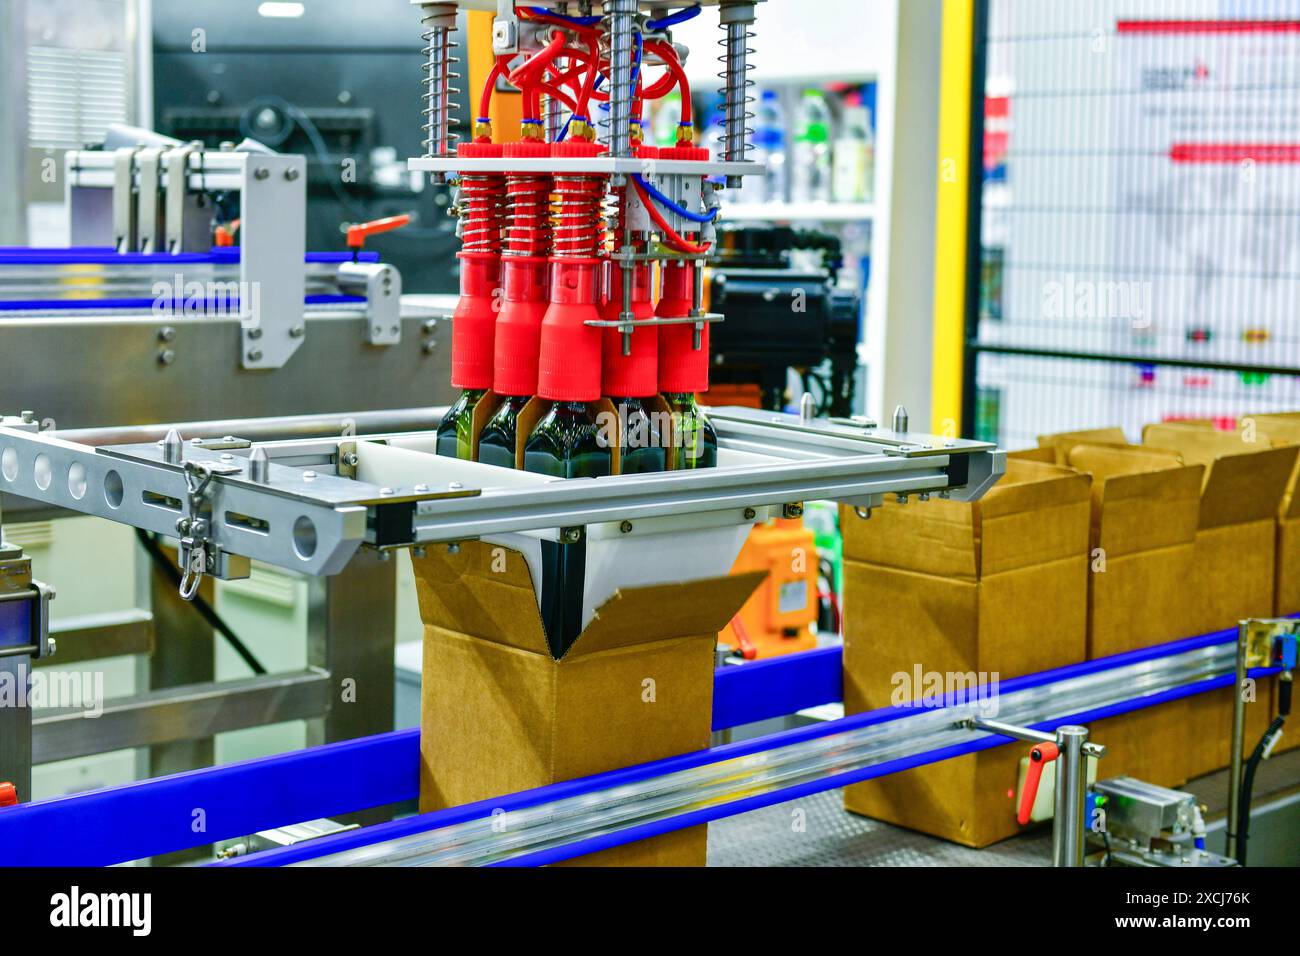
{"x":486,"y":591}
{"x":1245,"y":481}
{"x":964,"y":540}
{"x":1062,"y":442}
{"x":1144,"y":499}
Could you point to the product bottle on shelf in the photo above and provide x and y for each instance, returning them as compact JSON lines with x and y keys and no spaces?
{"x":854,"y":154}
{"x":769,"y":149}
{"x":810,"y":179}
{"x":473,"y":323}
{"x":684,"y":370}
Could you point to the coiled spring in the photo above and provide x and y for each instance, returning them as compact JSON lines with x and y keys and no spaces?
{"x":440,"y":76}
{"x":528,"y":222}
{"x":576,"y":221}
{"x":734,"y":91}
{"x":482,"y":212}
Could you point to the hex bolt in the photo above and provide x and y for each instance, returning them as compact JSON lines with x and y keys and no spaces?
{"x":419,"y":551}
{"x":453,"y":548}
{"x":297,"y":332}
{"x":750,"y":514}
{"x":261,"y":172}
{"x":166,"y":334}
{"x":183,"y":525}
{"x":901,"y":499}
{"x":28,"y":416}
{"x":255,"y":355}
{"x":255,"y":333}
{"x":571,"y":535}
{"x":792,"y":511}
{"x":291,"y":174}
{"x":625,"y":527}
{"x":351,"y":459}
{"x":430,"y":347}
{"x":430,"y":326}
{"x":166,"y":356}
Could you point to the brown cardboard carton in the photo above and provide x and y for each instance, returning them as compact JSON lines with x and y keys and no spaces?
{"x":1146,"y":506}
{"x":995,"y":587}
{"x":500,"y":715}
{"x":1145,"y":511}
{"x":1234,"y":564}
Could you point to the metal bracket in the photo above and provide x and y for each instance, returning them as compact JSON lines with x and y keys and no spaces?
{"x":272,"y":274}
{"x":381,"y":285}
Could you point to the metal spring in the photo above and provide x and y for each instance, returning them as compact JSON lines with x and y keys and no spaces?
{"x":735,"y":91}
{"x":528,"y":221}
{"x":439,"y":21}
{"x":616,"y":44}
{"x":482,"y":212}
{"x":576,"y":223}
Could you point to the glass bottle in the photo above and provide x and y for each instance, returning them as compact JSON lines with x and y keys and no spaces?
{"x":455,"y":433}
{"x":697,"y":442}
{"x":496,"y":443}
{"x":568,"y":443}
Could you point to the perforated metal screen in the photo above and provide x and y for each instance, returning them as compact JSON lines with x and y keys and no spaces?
{"x":1139,"y":216}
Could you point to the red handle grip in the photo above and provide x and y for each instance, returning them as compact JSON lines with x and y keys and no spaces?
{"x":357,"y":234}
{"x":1039,"y":757}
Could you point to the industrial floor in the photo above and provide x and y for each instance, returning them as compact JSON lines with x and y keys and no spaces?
{"x":831,"y":836}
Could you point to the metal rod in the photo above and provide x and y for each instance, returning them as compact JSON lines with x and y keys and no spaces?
{"x":1071,"y":779}
{"x":1238,"y":740}
{"x":621,"y":22}
{"x":276,"y":428}
{"x":1031,"y":736}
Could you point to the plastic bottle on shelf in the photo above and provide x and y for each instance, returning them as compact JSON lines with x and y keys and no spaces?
{"x":769,"y":149}
{"x":810,"y":179}
{"x":854,"y":154}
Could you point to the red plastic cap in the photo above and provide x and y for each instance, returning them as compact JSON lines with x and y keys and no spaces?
{"x":525,"y":280}
{"x":479,"y":150}
{"x":682,"y":367}
{"x":8,"y":795}
{"x":526,"y":149}
{"x":695,"y":153}
{"x":576,"y":147}
{"x":635,"y":375}
{"x":568,"y":366}
{"x":473,"y":323}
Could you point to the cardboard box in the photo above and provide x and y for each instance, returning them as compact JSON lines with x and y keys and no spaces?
{"x":1235,"y":563}
{"x":1145,"y":511}
{"x":997,"y":587}
{"x":501,"y":715}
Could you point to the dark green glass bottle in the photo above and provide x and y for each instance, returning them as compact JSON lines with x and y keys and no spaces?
{"x":496,"y":443}
{"x":567,"y":443}
{"x":455,"y":433}
{"x":641,"y":447}
{"x":697,"y":442}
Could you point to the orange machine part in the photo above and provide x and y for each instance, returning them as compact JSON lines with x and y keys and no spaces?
{"x":778,"y":617}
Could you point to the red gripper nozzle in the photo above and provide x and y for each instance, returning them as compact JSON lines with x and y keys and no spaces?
{"x":482,"y":213}
{"x":525,"y":274}
{"x":635,"y":375}
{"x":682,"y":366}
{"x":570,"y":349}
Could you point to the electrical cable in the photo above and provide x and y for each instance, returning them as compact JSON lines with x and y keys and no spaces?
{"x":672,"y":206}
{"x":670,"y":236}
{"x":206,"y":611}
{"x":1262,"y":749}
{"x":541,"y":13}
{"x":672,"y":19}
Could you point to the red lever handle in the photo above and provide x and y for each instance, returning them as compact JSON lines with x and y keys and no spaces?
{"x":8,"y":795}
{"x":358,"y":233}
{"x":1039,"y":757}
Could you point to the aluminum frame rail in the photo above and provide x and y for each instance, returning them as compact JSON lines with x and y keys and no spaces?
{"x":154,"y":816}
{"x":613,"y":812}
{"x":309,"y":513}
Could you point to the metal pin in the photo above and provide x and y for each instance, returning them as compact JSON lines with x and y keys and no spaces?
{"x":900,"y":420}
{"x":806,"y":408}
{"x":259,"y":466}
{"x":173,"y":447}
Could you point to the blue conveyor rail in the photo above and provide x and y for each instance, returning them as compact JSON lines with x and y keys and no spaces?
{"x":157,"y":816}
